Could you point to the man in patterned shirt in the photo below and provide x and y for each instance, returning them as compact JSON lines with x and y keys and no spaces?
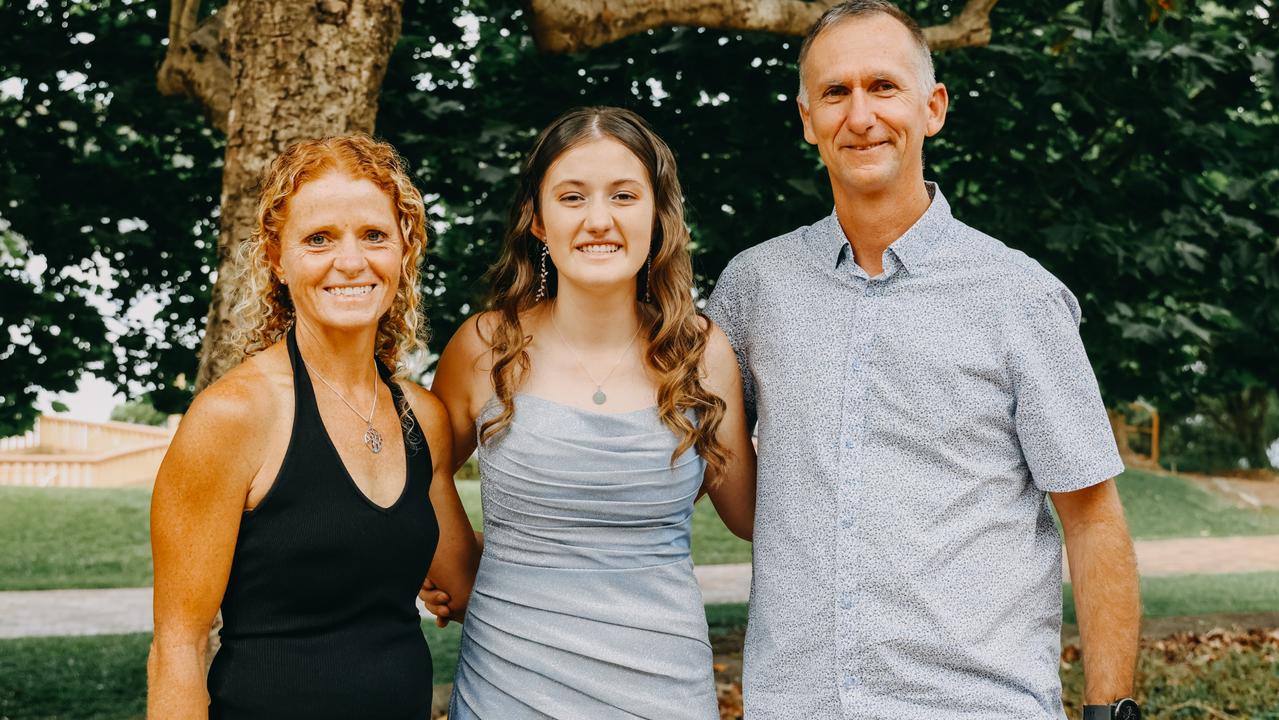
{"x":921,"y":392}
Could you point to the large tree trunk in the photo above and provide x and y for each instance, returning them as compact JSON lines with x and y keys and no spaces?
{"x":285,"y":71}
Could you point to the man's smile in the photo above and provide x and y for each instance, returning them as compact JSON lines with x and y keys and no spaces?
{"x":863,"y":147}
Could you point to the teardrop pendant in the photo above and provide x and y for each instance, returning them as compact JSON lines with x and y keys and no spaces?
{"x":599,"y":397}
{"x":373,"y":439}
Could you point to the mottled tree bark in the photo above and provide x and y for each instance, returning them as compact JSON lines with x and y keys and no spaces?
{"x":283,"y":71}
{"x":573,"y":25}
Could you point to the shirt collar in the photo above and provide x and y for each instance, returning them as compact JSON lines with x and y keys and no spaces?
{"x":911,"y":249}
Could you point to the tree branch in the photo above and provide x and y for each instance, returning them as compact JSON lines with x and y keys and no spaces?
{"x":562,"y":26}
{"x":970,"y":28}
{"x":195,"y":63}
{"x":182,"y":17}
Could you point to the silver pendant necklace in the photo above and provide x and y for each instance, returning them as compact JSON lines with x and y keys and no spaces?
{"x":372,"y":438}
{"x":599,"y":398}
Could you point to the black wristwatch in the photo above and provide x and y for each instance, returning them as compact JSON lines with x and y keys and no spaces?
{"x":1126,"y":709}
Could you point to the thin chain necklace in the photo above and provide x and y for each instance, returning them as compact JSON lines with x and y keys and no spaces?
{"x":599,"y":398}
{"x":372,"y":438}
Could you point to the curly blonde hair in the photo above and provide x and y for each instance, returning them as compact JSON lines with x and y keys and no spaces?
{"x":675,"y":333}
{"x":265,"y":301}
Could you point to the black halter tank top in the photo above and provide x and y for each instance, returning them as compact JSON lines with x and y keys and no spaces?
{"x":319,"y":619}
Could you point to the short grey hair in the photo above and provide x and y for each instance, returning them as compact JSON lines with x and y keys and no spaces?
{"x":851,"y":9}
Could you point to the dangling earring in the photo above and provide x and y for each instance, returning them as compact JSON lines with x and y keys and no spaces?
{"x":648,"y":280}
{"x":541,"y":280}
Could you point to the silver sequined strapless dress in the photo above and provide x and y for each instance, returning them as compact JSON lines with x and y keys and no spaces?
{"x":585,"y":605}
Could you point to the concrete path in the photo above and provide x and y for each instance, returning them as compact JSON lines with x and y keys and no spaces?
{"x":75,"y":612}
{"x":128,"y":610}
{"x":1204,"y":556}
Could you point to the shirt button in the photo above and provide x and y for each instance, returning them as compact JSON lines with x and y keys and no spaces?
{"x":845,"y":602}
{"x":857,"y":364}
{"x":846,"y":522}
{"x":849,"y":680}
{"x":850,"y":444}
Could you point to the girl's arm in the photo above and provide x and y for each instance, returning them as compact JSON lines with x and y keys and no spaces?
{"x":732,"y":491}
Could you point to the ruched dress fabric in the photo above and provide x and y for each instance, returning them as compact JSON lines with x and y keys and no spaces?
{"x":585,"y":605}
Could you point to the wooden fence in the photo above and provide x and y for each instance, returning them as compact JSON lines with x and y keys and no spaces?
{"x":61,"y":452}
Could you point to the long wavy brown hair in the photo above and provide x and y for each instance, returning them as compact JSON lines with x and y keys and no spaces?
{"x":264,"y":302}
{"x":675,"y":332}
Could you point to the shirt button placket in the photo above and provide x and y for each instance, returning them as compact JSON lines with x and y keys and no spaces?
{"x":855,"y":422}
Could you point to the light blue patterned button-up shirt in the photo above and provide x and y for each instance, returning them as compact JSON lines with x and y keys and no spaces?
{"x":906,"y":564}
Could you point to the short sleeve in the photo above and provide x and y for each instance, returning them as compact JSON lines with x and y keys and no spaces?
{"x":1059,"y":416}
{"x":724,"y":308}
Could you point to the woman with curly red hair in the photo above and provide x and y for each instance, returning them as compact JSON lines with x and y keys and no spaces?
{"x":309,"y":492}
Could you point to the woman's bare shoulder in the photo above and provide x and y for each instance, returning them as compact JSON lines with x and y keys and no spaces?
{"x":224,"y":435}
{"x":246,"y":400}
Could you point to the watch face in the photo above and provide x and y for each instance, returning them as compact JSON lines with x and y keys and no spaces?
{"x":1126,"y":709}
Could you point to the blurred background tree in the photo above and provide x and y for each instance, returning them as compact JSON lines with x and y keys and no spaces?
{"x":1128,"y":145}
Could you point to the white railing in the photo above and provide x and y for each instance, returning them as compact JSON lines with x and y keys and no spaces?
{"x":28,"y":441}
{"x":61,"y":452}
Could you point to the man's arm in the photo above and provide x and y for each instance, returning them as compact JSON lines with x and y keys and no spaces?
{"x":1103,"y":575}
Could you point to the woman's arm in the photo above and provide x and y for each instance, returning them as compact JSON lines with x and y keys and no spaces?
{"x":459,"y":381}
{"x":457,"y":556}
{"x":196,"y":506}
{"x":732,"y":491}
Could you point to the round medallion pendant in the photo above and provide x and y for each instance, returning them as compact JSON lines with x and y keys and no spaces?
{"x":599,"y":398}
{"x":373,"y":439}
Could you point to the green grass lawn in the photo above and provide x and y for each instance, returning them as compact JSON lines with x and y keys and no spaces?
{"x":86,"y":538}
{"x":1163,"y":506}
{"x":104,"y":676}
{"x":56,"y":538}
{"x":101,"y":676}
{"x":1199,"y":595}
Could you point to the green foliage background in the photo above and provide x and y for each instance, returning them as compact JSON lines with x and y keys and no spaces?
{"x":1128,"y":145}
